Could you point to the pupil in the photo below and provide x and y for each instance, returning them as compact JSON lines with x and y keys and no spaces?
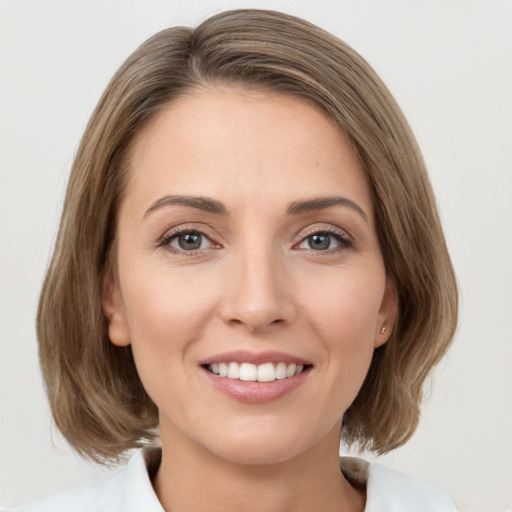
{"x":319,"y":242}
{"x":190,"y":241}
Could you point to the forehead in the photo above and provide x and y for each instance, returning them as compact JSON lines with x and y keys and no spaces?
{"x":244,"y":143}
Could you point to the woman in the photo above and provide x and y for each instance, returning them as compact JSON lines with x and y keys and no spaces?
{"x":250,"y":260}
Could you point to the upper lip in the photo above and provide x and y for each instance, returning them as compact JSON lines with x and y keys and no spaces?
{"x":245,"y":356}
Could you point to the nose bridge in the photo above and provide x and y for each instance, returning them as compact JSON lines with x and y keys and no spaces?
{"x":257,"y":296}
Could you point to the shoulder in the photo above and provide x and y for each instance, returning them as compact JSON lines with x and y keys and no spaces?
{"x":409,"y":493}
{"x":391,"y":491}
{"x":127,"y":489}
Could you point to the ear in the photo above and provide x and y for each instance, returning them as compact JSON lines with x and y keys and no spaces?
{"x":113,"y":307}
{"x":387,"y":314}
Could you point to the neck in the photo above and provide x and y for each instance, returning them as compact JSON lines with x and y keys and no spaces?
{"x":192,"y":479}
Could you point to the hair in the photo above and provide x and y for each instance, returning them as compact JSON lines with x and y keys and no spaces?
{"x":96,"y":397}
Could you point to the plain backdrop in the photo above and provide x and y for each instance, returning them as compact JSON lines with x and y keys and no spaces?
{"x":449,"y":65}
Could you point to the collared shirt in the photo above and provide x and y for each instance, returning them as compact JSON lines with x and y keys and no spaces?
{"x":129,"y":489}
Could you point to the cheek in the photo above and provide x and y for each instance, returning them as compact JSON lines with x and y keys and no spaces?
{"x":347,"y":304}
{"x":166,"y":315}
{"x":344,"y":317}
{"x":165,"y":311}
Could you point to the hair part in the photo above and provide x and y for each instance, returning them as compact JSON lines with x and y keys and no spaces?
{"x":96,"y":397}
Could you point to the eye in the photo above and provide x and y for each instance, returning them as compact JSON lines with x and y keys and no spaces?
{"x":324,"y":241}
{"x":187,"y":241}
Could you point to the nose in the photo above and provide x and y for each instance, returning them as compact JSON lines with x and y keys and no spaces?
{"x":258,"y":292}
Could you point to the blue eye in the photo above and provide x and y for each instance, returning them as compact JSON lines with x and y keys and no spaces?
{"x":188,"y":241}
{"x":323,"y":241}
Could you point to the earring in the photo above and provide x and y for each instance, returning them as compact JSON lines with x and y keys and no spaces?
{"x":383,"y":330}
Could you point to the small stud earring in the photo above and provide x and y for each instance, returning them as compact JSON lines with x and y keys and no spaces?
{"x":383,"y":330}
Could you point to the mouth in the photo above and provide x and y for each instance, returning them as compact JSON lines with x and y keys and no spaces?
{"x":256,"y":378}
{"x":249,"y":372}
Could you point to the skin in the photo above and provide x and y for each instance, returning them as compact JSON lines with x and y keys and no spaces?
{"x":256,"y":283}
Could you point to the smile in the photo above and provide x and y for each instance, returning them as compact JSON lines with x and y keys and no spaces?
{"x":248,"y":372}
{"x":256,"y":377}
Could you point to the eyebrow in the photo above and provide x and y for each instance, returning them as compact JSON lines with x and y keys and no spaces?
{"x":201,"y":203}
{"x":295,"y":208}
{"x":321,"y":203}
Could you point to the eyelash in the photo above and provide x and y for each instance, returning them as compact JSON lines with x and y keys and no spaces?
{"x":339,"y":235}
{"x":165,"y":241}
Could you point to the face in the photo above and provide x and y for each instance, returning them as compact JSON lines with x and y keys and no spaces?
{"x":247,"y":246}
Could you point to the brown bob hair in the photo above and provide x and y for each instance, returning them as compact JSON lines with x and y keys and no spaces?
{"x":97,"y":399}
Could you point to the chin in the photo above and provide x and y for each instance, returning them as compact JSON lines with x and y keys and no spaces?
{"x":262,"y":445}
{"x":255,"y":454}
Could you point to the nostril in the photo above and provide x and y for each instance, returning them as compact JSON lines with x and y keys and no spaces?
{"x":255,"y":310}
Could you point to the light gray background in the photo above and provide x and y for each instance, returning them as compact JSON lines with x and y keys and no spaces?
{"x":449,"y":65}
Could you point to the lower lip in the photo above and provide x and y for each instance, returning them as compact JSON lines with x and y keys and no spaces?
{"x":256,"y":392}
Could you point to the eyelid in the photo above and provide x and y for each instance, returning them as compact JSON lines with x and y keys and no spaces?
{"x":163,"y":241}
{"x":324,"y":228}
{"x":341,"y":234}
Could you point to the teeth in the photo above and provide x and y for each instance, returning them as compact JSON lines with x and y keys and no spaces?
{"x":249,"y":372}
{"x":281,"y":371}
{"x":266,"y":372}
{"x":290,"y":370}
{"x":233,"y":371}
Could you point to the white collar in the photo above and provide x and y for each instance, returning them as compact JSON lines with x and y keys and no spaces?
{"x":390,"y":491}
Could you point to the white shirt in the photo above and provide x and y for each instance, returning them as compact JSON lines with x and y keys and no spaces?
{"x":129,"y":489}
